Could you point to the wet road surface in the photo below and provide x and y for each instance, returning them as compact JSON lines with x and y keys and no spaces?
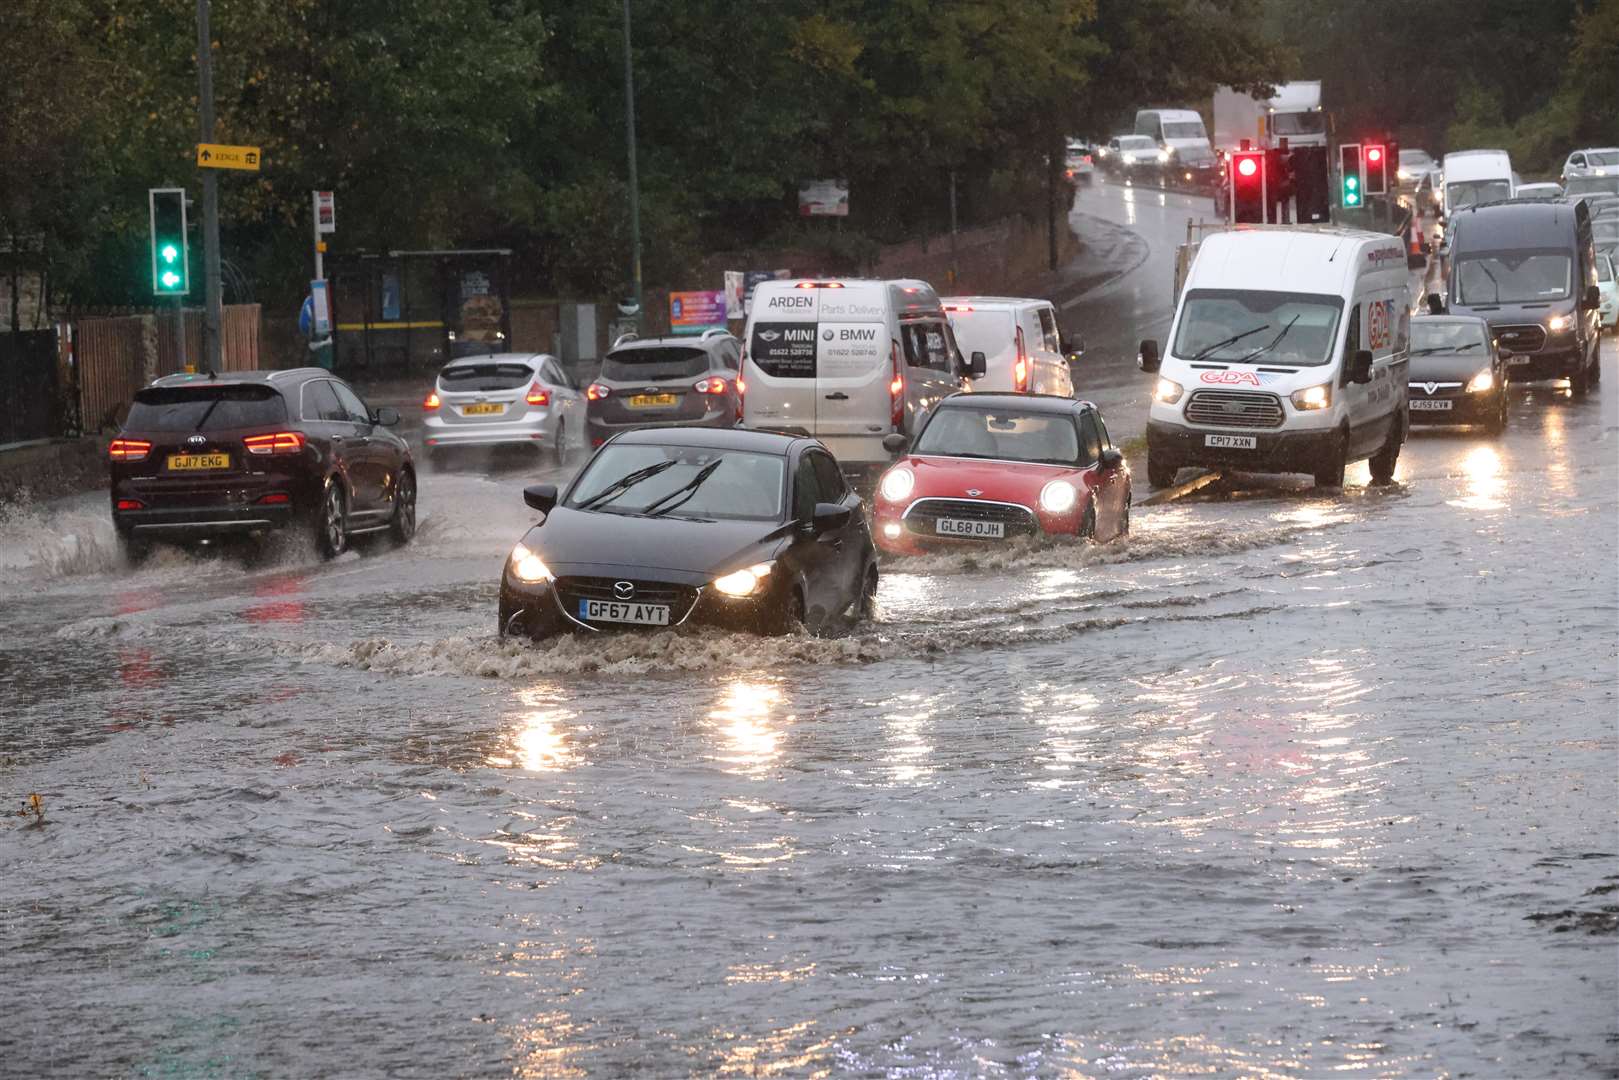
{"x":1289,"y":783}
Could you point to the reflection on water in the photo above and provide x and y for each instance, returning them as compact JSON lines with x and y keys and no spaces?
{"x":546,"y":1045}
{"x":908,"y":750}
{"x":751,"y":742}
{"x":1481,"y":471}
{"x":539,"y":738}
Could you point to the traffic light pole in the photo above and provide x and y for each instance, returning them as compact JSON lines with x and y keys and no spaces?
{"x":210,"y":193}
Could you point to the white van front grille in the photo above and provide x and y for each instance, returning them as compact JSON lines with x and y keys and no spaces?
{"x":1234,"y":408}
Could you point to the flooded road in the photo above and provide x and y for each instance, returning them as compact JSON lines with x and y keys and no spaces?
{"x":1289,"y":783}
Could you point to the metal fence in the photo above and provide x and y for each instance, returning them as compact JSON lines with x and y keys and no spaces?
{"x":28,"y":385}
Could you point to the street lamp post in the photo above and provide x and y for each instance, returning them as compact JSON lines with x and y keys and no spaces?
{"x":635,"y":188}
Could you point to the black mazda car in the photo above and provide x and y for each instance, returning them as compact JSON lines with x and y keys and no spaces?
{"x":666,"y":527}
{"x":247,"y":452}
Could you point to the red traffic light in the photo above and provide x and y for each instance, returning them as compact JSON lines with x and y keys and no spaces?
{"x":1247,"y":166}
{"x":1374,"y":154}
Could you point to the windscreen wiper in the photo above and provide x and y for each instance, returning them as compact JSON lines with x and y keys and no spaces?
{"x":1277,"y":340}
{"x":206,"y":413}
{"x":1232,"y":340}
{"x":688,"y":490}
{"x":1445,"y":348}
{"x":624,"y":483}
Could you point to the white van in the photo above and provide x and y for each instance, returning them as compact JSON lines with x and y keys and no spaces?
{"x":848,"y":361}
{"x":1024,"y":351}
{"x":1288,"y":353}
{"x":1173,"y":129}
{"x":1477,"y":176}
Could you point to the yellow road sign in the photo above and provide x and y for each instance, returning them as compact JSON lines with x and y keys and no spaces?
{"x":219,"y":156}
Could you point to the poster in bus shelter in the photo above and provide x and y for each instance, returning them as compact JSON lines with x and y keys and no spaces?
{"x":694,"y":312}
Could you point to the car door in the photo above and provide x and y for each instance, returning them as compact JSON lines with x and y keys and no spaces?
{"x":848,"y":557}
{"x":1053,"y":366}
{"x":567,"y":401}
{"x":1115,"y":482}
{"x":326,"y":423}
{"x":370,"y":469}
{"x":817,"y":556}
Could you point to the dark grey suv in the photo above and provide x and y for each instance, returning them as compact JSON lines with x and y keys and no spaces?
{"x":665,"y":382}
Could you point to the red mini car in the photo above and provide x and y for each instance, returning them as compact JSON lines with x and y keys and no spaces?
{"x":989,"y":468}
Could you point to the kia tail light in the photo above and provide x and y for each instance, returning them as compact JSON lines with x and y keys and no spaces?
{"x":128,"y":449}
{"x":282,"y":442}
{"x":538,"y":395}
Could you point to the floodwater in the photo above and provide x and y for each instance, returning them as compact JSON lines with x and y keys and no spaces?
{"x":1288,"y":783}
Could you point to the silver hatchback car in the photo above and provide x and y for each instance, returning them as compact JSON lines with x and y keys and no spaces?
{"x":504,"y":399}
{"x":666,"y":382}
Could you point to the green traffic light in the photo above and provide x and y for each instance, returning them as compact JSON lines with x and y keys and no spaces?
{"x":170,"y":253}
{"x":1351,"y":183}
{"x":170,"y":279}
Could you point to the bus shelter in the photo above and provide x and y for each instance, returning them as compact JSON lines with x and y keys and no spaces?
{"x":411,"y":311}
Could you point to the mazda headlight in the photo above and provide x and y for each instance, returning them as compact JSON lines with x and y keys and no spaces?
{"x":1058,"y":497}
{"x":743,"y":582}
{"x":1312,"y":397}
{"x":526,"y":566}
{"x":898,"y":484}
{"x":1558,"y":322}
{"x":1167,"y":391}
{"x":1163,"y":156}
{"x":1478,"y":384}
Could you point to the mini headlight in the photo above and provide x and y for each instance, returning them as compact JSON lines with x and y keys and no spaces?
{"x":1558,"y":322}
{"x":1481,"y":382}
{"x":1058,"y":497}
{"x":527,"y":566}
{"x":743,"y":582}
{"x":1312,"y":397}
{"x":1167,"y":391}
{"x":898,"y":484}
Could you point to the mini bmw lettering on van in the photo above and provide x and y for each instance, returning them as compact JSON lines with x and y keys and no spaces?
{"x":1288,"y":353}
{"x":848,"y":361}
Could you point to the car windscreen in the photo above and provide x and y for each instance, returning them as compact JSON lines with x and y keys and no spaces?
{"x":654,"y":363}
{"x":1185,"y":129}
{"x":1137,"y":143}
{"x":1298,"y":123}
{"x":1603,"y":157}
{"x":988,"y":332}
{"x":205,"y":408}
{"x":1592,"y":185}
{"x":1472,"y":192}
{"x":1512,"y":277}
{"x":1414,"y":157}
{"x":1429,"y":336}
{"x":1242,"y":326}
{"x":1002,"y":435}
{"x":484,"y":377}
{"x":1605,"y":231}
{"x":645,"y":479}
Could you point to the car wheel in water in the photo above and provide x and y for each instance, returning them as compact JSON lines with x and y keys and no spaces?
{"x":1497,"y":422}
{"x":1329,"y":473}
{"x":403,"y":525}
{"x":331,"y":535}
{"x":1383,"y":462}
{"x":1160,"y":473}
{"x":866,"y":606}
{"x":789,"y":617}
{"x":1580,"y":381}
{"x":131,"y":548}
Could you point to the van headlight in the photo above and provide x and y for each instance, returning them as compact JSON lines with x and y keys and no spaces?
{"x":526,"y":566}
{"x":898,"y":484}
{"x":1058,"y":497}
{"x":1558,"y":322}
{"x":1128,"y":158}
{"x":1167,"y":391}
{"x":1478,"y":384}
{"x":1312,"y":397}
{"x":743,"y":582}
{"x":1163,"y":157}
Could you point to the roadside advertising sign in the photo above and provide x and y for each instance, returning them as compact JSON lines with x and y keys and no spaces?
{"x":694,"y":312}
{"x":734,"y":288}
{"x":823,"y":198}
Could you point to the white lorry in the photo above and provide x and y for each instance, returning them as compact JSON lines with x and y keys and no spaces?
{"x":1293,"y":113}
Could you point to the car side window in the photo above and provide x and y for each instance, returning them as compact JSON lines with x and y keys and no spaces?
{"x":806,"y":492}
{"x":1090,"y":438}
{"x":730,"y":357}
{"x":1352,"y":338}
{"x":1048,"y":329}
{"x":1576,"y":160}
{"x":549,"y":373}
{"x":319,"y":403}
{"x":828,"y":478}
{"x":352,"y":405}
{"x":1107,"y":441}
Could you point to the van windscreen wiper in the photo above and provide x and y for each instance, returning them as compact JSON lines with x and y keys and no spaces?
{"x":1232,"y":340}
{"x":1275,"y":341}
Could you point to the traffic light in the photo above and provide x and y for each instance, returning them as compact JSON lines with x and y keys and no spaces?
{"x":1375,"y":157}
{"x":1249,"y":184}
{"x":171,"y":253}
{"x":1350,"y":169}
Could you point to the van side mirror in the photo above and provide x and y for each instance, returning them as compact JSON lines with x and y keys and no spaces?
{"x":1147,"y":360}
{"x":541,"y":497}
{"x":977,"y":366}
{"x":1360,"y":367}
{"x":1073,"y":346}
{"x":830,"y":517}
{"x":896,"y":442}
{"x":1592,"y":300}
{"x":1436,"y":304}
